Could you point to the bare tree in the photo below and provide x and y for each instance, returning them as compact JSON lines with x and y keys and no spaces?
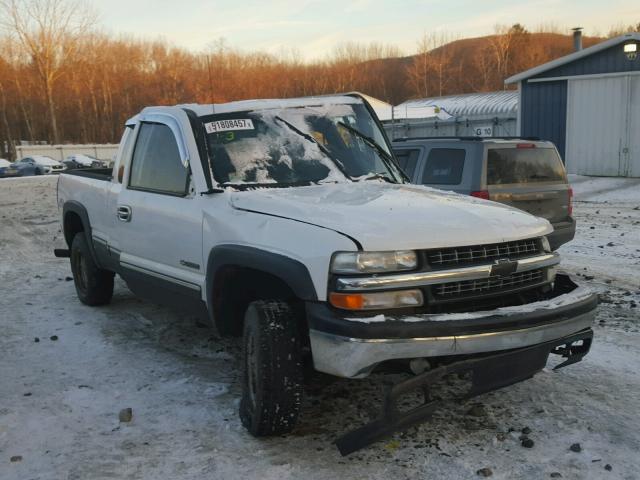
{"x":505,"y":45}
{"x":418,"y":70}
{"x":621,"y":29}
{"x":441,"y":61}
{"x":427,"y":72}
{"x":48,"y":32}
{"x":5,"y":70}
{"x":5,"y":122}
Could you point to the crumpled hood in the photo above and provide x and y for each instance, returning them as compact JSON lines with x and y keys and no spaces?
{"x":382,"y":216}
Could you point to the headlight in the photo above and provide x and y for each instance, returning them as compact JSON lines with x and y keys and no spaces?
{"x":374,"y":262}
{"x":545,"y":244}
{"x":378,"y":300}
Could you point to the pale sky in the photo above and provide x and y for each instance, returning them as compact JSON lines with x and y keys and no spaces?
{"x":314,"y":28}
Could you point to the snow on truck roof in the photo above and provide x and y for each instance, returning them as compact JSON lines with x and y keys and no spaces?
{"x":381,"y":108}
{"x":267,"y":104}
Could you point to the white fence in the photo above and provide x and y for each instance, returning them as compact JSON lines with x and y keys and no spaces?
{"x":60,"y":152}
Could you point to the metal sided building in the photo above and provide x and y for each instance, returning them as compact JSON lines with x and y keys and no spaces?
{"x":486,"y":114}
{"x":588,"y":104}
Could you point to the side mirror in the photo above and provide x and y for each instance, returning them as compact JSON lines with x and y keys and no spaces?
{"x":120,"y":173}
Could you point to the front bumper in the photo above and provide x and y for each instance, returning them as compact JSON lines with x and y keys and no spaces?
{"x":488,"y":372}
{"x":352,"y":347}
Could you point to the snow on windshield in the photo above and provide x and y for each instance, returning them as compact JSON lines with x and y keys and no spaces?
{"x":293,"y":145}
{"x":255,"y":157}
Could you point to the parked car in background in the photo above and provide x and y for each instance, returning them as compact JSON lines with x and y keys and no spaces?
{"x":8,"y":169}
{"x":526,"y":174}
{"x":40,"y":165}
{"x":82,"y":161}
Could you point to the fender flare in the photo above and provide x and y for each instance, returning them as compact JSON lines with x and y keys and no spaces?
{"x":71,"y":206}
{"x":292,"y":272}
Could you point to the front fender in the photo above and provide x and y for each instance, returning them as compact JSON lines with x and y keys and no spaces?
{"x":294,"y":273}
{"x":278,"y":269}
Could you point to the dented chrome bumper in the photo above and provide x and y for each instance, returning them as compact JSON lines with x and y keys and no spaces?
{"x":353,"y":347}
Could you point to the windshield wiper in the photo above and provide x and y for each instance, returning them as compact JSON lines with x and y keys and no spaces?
{"x":377,"y":176}
{"x":248,"y":186}
{"x":322,"y":148}
{"x":382,"y":153}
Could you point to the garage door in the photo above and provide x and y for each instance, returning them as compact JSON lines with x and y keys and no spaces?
{"x":633,"y":154}
{"x":600,"y":115}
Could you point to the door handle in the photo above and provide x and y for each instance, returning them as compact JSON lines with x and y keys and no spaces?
{"x":124,"y":213}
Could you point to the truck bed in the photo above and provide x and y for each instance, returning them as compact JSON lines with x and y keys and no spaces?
{"x":103,"y":174}
{"x":88,"y":187}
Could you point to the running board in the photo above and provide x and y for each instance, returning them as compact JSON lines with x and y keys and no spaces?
{"x":488,"y":373}
{"x":62,"y":252}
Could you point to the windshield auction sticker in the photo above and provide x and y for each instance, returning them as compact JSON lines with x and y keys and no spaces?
{"x":229,"y":125}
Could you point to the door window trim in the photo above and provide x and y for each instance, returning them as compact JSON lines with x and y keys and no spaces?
{"x":176,"y":127}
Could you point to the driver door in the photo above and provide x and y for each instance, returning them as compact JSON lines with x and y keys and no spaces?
{"x":158,"y":221}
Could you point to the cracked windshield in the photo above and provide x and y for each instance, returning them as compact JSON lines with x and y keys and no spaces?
{"x":298,"y":146}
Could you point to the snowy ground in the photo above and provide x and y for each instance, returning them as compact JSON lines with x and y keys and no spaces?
{"x":60,"y":399}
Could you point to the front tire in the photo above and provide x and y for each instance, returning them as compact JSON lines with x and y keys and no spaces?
{"x":272,"y":384}
{"x":94,"y":286}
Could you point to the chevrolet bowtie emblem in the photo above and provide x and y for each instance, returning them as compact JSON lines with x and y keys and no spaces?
{"x":503,"y":267}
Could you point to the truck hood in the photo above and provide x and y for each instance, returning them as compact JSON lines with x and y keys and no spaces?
{"x":382,"y":216}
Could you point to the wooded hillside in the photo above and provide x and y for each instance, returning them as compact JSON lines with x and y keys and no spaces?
{"x":60,"y":81}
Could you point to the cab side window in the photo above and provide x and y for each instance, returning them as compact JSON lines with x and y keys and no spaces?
{"x":156,"y":165}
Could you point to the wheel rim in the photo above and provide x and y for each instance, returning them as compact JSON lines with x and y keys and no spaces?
{"x":251,"y":366}
{"x":81,"y":272}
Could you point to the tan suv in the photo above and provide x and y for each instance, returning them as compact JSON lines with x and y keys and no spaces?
{"x":524,"y":173}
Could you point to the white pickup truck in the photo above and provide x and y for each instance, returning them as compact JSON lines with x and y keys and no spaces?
{"x":289,"y":222}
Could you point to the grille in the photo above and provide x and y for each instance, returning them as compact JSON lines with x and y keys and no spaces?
{"x":471,"y":288}
{"x":451,"y":257}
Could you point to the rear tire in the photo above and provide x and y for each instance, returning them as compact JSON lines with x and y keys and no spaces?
{"x":272,"y":384}
{"x":94,"y":286}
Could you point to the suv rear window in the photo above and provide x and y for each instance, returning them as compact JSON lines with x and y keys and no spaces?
{"x":407,"y":159}
{"x":444,"y":166}
{"x":524,"y":165}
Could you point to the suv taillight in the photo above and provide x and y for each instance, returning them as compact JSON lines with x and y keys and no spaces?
{"x":484,"y":194}
{"x":570,"y":207}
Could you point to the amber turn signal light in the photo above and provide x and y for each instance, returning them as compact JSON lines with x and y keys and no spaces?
{"x":377,"y":300}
